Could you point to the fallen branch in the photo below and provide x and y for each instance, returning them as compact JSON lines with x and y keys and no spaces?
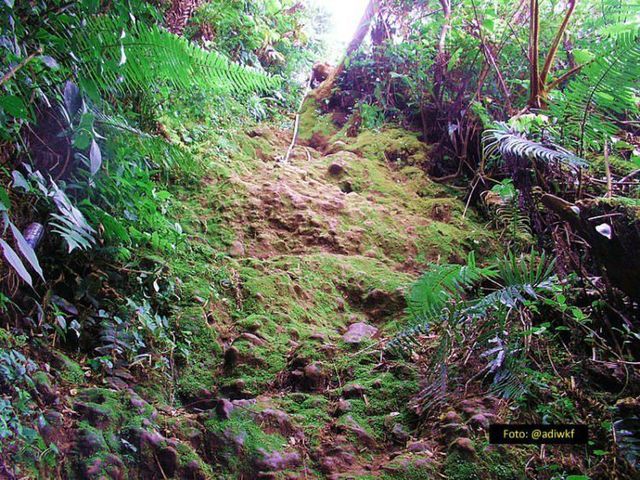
{"x":9,"y":75}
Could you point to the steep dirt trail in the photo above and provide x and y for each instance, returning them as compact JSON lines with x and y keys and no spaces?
{"x":327,"y":245}
{"x":291,"y":280}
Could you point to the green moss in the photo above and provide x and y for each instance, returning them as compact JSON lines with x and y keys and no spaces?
{"x":411,"y":472}
{"x":187,"y":455}
{"x":448,"y":242}
{"x":309,"y":411}
{"x":71,"y":371}
{"x":204,"y":357}
{"x":399,"y":214}
{"x":458,"y":468}
{"x":386,"y":392}
{"x":313,"y":122}
{"x":490,"y":465}
{"x":391,"y":144}
{"x":296,"y":297}
{"x":253,"y":439}
{"x":617,"y":164}
{"x":41,"y":378}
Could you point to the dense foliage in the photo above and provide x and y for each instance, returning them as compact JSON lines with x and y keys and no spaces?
{"x":127,"y":131}
{"x":88,"y":168}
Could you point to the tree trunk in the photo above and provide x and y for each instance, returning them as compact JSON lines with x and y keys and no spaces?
{"x":442,"y":60}
{"x":534,"y":42}
{"x":324,"y":90}
{"x":539,"y":80}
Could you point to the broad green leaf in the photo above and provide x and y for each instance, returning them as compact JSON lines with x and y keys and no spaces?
{"x":12,"y":257}
{"x":489,"y":25}
{"x":26,"y":250}
{"x":82,"y":139}
{"x":14,"y":106}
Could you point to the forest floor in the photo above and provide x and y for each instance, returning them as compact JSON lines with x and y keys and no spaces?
{"x":285,"y":375}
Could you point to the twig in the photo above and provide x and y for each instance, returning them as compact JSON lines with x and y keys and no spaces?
{"x":7,"y":76}
{"x":629,"y":177}
{"x":607,"y":168}
{"x":297,"y":122}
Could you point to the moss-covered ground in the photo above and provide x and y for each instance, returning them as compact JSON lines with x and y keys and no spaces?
{"x":280,"y":260}
{"x":277,"y":261}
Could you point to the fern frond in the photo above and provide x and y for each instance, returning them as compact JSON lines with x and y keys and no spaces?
{"x":535,"y":270}
{"x":140,"y":57}
{"x":404,"y":342}
{"x":440,"y":283}
{"x":508,"y":380}
{"x":627,"y":437}
{"x":522,"y":278}
{"x":433,"y":393}
{"x":503,"y":141}
{"x":604,"y":91}
{"x":512,"y":220}
{"x":160,"y":151}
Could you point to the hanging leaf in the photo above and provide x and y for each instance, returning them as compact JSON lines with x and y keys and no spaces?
{"x":14,"y":106}
{"x":26,"y":250}
{"x":95,"y":156}
{"x":49,"y":62}
{"x":72,"y":99}
{"x":12,"y":257}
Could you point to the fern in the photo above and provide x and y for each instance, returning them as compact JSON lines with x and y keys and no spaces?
{"x":504,"y":141}
{"x":482,"y":324}
{"x":440,"y":283}
{"x":144,"y":56}
{"x":627,"y":437}
{"x":160,"y":151}
{"x":433,"y":394}
{"x":522,"y":278}
{"x":605,"y":90}
{"x":510,"y":380}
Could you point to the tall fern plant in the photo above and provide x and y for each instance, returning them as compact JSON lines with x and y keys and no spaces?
{"x":81,"y":88}
{"x":487,"y":324}
{"x":139,"y":57}
{"x":603,"y":99}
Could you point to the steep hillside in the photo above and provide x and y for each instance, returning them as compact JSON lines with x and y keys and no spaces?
{"x":284,"y":375}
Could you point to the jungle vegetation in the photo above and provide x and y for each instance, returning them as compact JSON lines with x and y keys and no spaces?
{"x":223,"y":257}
